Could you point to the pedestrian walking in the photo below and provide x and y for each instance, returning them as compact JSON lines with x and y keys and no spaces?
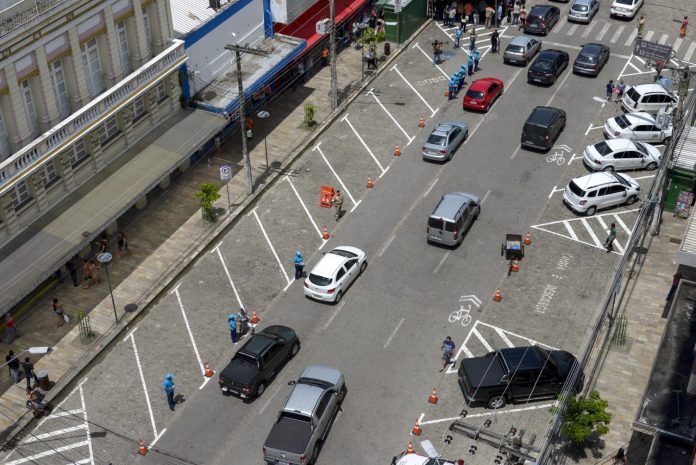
{"x":324,"y":56}
{"x":620,"y":458}
{"x":675,"y":283}
{"x":451,"y":16}
{"x":499,"y":13}
{"x":122,"y":240}
{"x":495,"y":38}
{"x":469,"y":12}
{"x":337,"y":202}
{"x":86,"y":274}
{"x":11,"y":332}
{"x":59,"y":312}
{"x":490,"y":13}
{"x":641,"y":27}
{"x":13,"y":365}
{"x":103,"y":244}
{"x":611,"y":235}
{"x":72,"y":271}
{"x":610,"y":89}
{"x":477,"y":59}
{"x":447,"y":352}
{"x":461,"y":74}
{"x":682,"y":29}
{"x":28,"y":368}
{"x":169,"y":387}
{"x":95,"y":272}
{"x":59,"y":275}
{"x":619,"y":90}
{"x":523,"y":16}
{"x":472,"y":39}
{"x":516,"y":13}
{"x":509,"y":7}
{"x":436,"y":52}
{"x":457,"y":37}
{"x":452,"y":87}
{"x":299,"y":264}
{"x":232,"y":321}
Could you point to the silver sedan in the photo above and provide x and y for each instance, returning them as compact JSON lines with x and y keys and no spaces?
{"x":444,"y":140}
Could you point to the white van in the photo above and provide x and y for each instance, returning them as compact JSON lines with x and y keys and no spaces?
{"x":649,"y":98}
{"x":589,"y":193}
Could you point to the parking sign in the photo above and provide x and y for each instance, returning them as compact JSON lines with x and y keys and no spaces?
{"x":225,"y":172}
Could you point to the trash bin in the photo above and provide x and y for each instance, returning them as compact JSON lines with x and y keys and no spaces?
{"x":387,"y":48}
{"x":44,"y":382}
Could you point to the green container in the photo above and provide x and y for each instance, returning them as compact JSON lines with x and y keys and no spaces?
{"x":400,"y":26}
{"x":680,"y":180}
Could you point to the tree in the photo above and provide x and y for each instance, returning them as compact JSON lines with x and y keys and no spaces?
{"x":583,"y":417}
{"x":208,"y":196}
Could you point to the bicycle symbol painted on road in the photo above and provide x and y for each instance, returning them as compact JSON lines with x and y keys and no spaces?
{"x":556,"y":157}
{"x":464,"y":312}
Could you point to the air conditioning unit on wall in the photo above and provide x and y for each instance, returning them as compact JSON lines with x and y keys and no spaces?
{"x":323,"y":26}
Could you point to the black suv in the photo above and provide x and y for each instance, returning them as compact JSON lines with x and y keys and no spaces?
{"x":548,"y":66}
{"x":541,"y":18}
{"x":543,"y":127}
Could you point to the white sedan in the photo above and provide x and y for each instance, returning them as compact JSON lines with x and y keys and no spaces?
{"x":415,"y":459}
{"x":625,"y":8}
{"x":331,"y":277}
{"x":636,"y":126}
{"x":621,"y":154}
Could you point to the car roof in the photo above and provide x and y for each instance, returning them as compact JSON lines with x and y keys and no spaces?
{"x":328,"y":264}
{"x":451,"y":203}
{"x":592,"y":47}
{"x":582,"y":2}
{"x":542,"y":115}
{"x":481,"y":84}
{"x":322,"y":373}
{"x":592,"y":180}
{"x":541,"y":9}
{"x":303,"y":399}
{"x":520,"y":40}
{"x":650,"y":89}
{"x":522,"y":358}
{"x":619,"y":144}
{"x":257,"y":344}
{"x":639,"y":116}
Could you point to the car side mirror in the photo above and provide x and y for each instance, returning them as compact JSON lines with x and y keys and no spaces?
{"x":505,"y":378}
{"x":291,"y":383}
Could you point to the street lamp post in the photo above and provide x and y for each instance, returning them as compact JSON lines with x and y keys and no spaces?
{"x":263,"y":115}
{"x":104,"y":258}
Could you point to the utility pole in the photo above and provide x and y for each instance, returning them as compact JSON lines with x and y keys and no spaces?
{"x":332,"y":39}
{"x":238,"y":50}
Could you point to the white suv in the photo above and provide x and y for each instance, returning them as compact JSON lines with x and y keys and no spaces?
{"x":649,"y":98}
{"x":589,"y":193}
{"x":625,"y":8}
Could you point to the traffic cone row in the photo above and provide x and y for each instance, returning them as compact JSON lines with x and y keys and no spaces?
{"x":208,"y":371}
{"x":410,"y":450}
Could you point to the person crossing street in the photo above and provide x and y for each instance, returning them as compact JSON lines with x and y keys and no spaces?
{"x":169,"y":386}
{"x":299,"y":264}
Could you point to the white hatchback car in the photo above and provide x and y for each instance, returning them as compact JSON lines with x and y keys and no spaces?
{"x":625,"y":8}
{"x":621,"y":154}
{"x":650,"y":98}
{"x":336,"y":270}
{"x":589,"y":193}
{"x":636,"y":126}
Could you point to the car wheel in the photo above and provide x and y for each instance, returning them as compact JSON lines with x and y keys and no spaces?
{"x":631,"y":200}
{"x":609,"y":169}
{"x":546,"y":31}
{"x":342,"y":394}
{"x":466,"y":135}
{"x":666,"y":140}
{"x":651,"y":166}
{"x":261,"y":389}
{"x":591,"y":211}
{"x":339,"y":296}
{"x":363,"y":267}
{"x":294,"y":349}
{"x":496,"y":402}
{"x":315,"y":453}
{"x":449,"y":157}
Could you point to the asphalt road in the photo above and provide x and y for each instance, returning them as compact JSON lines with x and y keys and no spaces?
{"x":386,"y":334}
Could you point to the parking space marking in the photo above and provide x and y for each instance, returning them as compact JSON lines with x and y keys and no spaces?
{"x":481,"y":339}
{"x":67,"y":413}
{"x":617,"y":34}
{"x":84,"y":413}
{"x":345,"y":189}
{"x":432,"y":184}
{"x":268,"y":241}
{"x":389,"y":339}
{"x":690,"y":51}
{"x":514,"y":154}
{"x":444,"y":257}
{"x":494,"y":413}
{"x":304,"y":207}
{"x":602,"y":31}
{"x":645,"y":177}
{"x":648,"y":36}
{"x":559,"y":25}
{"x":573,"y":157}
{"x":58,"y":432}
{"x":340,"y":306}
{"x":677,"y":44}
{"x":663,"y":39}
{"x":485,"y":196}
{"x":572,"y":29}
{"x":554,"y":190}
{"x":570,"y":230}
{"x":589,"y":230}
{"x":505,"y":339}
{"x":345,"y":118}
{"x":227,"y":273}
{"x":588,"y":29}
{"x":48,"y":453}
{"x":622,"y":224}
{"x":410,"y":139}
{"x":631,"y":37}
{"x":606,"y":228}
{"x":430,"y":59}
{"x":591,"y":128}
{"x":432,"y":111}
{"x":386,"y":245}
{"x":270,"y":398}
{"x":188,"y":328}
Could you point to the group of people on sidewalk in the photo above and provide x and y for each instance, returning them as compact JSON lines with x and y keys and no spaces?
{"x":21,"y":369}
{"x":452,"y":12}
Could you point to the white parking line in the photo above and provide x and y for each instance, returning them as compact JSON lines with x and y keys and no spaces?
{"x":663,"y":39}
{"x":570,"y":230}
{"x":432,"y":111}
{"x":386,"y":245}
{"x":304,"y":207}
{"x":588,"y":29}
{"x":504,"y":337}
{"x":554,"y":190}
{"x":227,"y":273}
{"x":268,"y":241}
{"x":410,"y":139}
{"x":485,"y":197}
{"x":649,"y":35}
{"x":493,"y":413}
{"x":622,"y":224}
{"x":617,"y":34}
{"x":48,"y":453}
{"x":645,"y":177}
{"x":485,"y":343}
{"x":605,"y":228}
{"x":602,"y":31}
{"x":389,"y":339}
{"x":444,"y":257}
{"x":677,"y":44}
{"x":335,"y":314}
{"x":345,"y":118}
{"x":631,"y":37}
{"x":559,"y":25}
{"x":432,"y":184}
{"x":690,"y":51}
{"x":573,"y":157}
{"x":589,"y":230}
{"x":345,"y":189}
{"x":590,"y":127}
{"x":572,"y":29}
{"x":84,"y":412}
{"x":58,"y":432}
{"x":188,"y":328}
{"x":430,"y":58}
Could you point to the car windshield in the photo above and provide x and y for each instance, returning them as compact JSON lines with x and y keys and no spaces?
{"x":543,"y":65}
{"x":624,"y":2}
{"x":474,"y":94}
{"x":245,"y":360}
{"x":437,"y":139}
{"x":319,"y":280}
{"x":633,"y":94}
{"x":580,"y":8}
{"x":603,"y":148}
{"x":641,"y":148}
{"x":587,"y":59}
{"x":621,"y":180}
{"x":515,"y":48}
{"x":575,"y":189}
{"x":436,"y":223}
{"x":343,"y":253}
{"x":622,"y":121}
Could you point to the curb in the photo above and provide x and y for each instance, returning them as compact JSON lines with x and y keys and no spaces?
{"x":11,"y":436}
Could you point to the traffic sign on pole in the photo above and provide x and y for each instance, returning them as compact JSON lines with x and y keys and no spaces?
{"x":652,"y":50}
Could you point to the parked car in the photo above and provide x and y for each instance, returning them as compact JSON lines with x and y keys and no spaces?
{"x":521,"y":49}
{"x":542,"y":128}
{"x":548,"y":66}
{"x":621,"y":154}
{"x":444,"y":140}
{"x":415,"y":459}
{"x":582,"y":11}
{"x":258,"y":361}
{"x":452,"y":216}
{"x":591,"y":59}
{"x":650,"y":98}
{"x":304,"y":421}
{"x":335,"y":272}
{"x":482,"y":94}
{"x":541,"y":18}
{"x":595,"y":191}
{"x":516,"y":374}
{"x":637,"y":126}
{"x":625,"y":8}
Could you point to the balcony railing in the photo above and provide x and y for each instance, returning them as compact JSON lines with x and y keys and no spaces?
{"x":42,"y":149}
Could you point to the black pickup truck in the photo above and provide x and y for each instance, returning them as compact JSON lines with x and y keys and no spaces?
{"x":516,"y":374}
{"x":258,"y":361}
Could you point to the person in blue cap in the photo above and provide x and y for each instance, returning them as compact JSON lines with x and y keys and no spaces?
{"x":457,"y":37}
{"x":477,"y":58}
{"x":169,"y":387}
{"x":470,"y":65}
{"x":299,"y":264}
{"x":232,"y":320}
{"x":461,"y":74}
{"x":455,"y":80}
{"x":452,"y":88}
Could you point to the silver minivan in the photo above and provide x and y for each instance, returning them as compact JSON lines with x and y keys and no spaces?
{"x":521,"y":49}
{"x":453,"y":215}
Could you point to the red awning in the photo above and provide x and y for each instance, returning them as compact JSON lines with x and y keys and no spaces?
{"x":304,"y":27}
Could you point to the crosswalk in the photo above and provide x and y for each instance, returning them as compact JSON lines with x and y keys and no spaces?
{"x":483,"y":40}
{"x":592,"y":230}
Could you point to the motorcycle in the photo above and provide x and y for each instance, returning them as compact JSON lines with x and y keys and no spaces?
{"x":37,"y":405}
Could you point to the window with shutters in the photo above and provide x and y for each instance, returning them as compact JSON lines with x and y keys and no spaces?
{"x":124,"y":55}
{"x":60,"y":89}
{"x":137,"y":109}
{"x":161,"y":92}
{"x":29,"y":108}
{"x":49,"y":174}
{"x":92,"y":65}
{"x":20,"y":195}
{"x":78,"y":153}
{"x":108,"y":130}
{"x":148,"y":32}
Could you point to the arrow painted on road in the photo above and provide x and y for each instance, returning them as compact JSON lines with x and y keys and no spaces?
{"x":562,"y":147}
{"x":470,"y":298}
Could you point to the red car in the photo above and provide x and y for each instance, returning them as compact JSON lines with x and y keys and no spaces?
{"x":482,"y":93}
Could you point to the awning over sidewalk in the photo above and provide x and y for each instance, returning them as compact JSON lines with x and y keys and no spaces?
{"x":48,"y":249}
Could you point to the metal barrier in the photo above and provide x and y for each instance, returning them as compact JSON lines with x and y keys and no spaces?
{"x":86,"y":333}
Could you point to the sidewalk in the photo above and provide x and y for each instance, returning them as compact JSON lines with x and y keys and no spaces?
{"x":165,"y":237}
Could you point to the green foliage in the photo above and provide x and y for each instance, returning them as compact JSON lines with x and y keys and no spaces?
{"x":208,"y":196}
{"x":309,"y":114}
{"x":583,"y":417}
{"x":369,"y":35}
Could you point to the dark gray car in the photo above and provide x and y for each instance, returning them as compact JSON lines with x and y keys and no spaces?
{"x":591,"y":59}
{"x":541,"y":18}
{"x":444,"y":140}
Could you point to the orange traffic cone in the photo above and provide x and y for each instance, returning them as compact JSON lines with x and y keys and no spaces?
{"x":326,"y":235}
{"x":416,"y":431}
{"x":370,"y":184}
{"x":528,"y":239}
{"x":497,"y":297}
{"x":142,"y":450}
{"x":208,"y":372}
{"x":254,"y":317}
{"x":515,"y":266}
{"x":421,"y":122}
{"x":410,"y":450}
{"x":433,"y":397}
{"x":446,"y":92}
{"x":397,"y":151}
